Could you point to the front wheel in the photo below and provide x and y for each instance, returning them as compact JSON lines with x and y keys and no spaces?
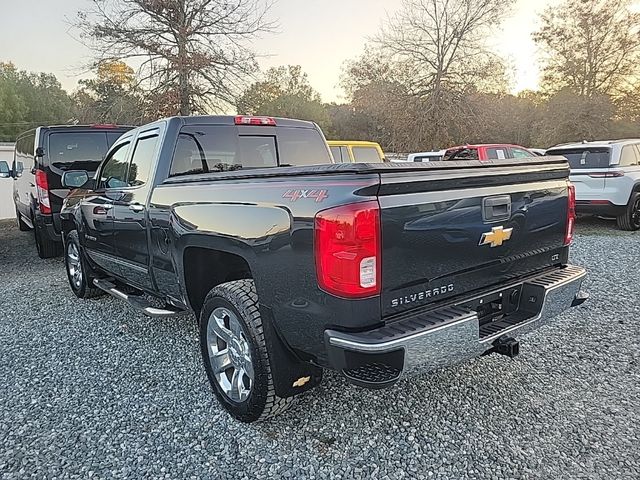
{"x":78,"y":271}
{"x":235,"y":353}
{"x":630,"y":219}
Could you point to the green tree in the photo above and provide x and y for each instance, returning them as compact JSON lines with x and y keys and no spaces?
{"x":30,"y":99}
{"x":284,"y":92}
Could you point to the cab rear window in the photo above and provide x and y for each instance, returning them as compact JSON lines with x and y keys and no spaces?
{"x":219,"y":148}
{"x":584,"y":157}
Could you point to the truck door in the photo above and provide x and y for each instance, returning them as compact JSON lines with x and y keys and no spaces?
{"x":129,"y":212}
{"x":97,"y":214}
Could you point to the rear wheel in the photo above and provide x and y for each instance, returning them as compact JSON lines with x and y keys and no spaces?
{"x":630,"y":219}
{"x":235,"y":353}
{"x":23,"y":227}
{"x":78,"y":271}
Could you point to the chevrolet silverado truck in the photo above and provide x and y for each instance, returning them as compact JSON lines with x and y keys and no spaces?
{"x":293,"y":264}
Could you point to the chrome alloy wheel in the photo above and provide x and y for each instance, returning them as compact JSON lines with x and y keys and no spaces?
{"x":74,"y":265}
{"x":229,"y":354}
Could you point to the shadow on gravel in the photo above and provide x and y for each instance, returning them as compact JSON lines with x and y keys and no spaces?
{"x":92,"y":388}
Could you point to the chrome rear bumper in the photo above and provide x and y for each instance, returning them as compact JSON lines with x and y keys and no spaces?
{"x":436,"y":339}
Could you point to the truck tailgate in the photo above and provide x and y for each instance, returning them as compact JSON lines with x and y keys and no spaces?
{"x":450,"y":230}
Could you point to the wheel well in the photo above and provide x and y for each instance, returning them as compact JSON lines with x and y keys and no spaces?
{"x":205,"y":268}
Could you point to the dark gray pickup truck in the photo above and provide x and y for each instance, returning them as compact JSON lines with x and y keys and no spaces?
{"x":293,"y":264}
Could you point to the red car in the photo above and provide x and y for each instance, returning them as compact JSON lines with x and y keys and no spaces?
{"x":488,"y":151}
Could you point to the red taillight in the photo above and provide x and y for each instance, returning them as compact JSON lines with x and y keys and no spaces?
{"x":104,"y":125}
{"x":571,"y":215}
{"x":612,"y":174}
{"x":347,"y":250}
{"x":42,"y":189}
{"x":264,"y":121}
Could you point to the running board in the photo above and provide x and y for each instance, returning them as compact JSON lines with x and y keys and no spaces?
{"x":136,"y":301}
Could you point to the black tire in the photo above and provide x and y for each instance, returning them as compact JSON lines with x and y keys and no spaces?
{"x":23,"y":227}
{"x":240,"y":298}
{"x":82,"y":285}
{"x":46,"y":247}
{"x":630,"y":219}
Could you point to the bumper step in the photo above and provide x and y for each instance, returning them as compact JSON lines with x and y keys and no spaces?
{"x":136,"y":301}
{"x":426,"y":341}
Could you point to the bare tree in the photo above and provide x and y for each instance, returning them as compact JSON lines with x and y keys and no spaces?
{"x":590,"y":46}
{"x":440,"y":48}
{"x":192,"y":55}
{"x":443,"y":41}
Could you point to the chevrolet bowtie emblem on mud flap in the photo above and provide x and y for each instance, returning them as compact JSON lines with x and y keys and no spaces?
{"x":496,"y":237}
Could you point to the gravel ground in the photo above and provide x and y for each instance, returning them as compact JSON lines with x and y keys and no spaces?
{"x":92,"y":389}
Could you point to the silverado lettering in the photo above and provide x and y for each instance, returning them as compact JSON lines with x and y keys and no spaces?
{"x":414,"y":297}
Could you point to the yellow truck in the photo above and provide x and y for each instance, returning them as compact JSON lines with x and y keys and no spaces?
{"x":347,"y":151}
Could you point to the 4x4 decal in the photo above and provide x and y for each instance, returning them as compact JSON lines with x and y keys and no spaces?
{"x":317,"y":195}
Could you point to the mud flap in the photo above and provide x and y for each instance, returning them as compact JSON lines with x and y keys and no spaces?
{"x":291,"y":376}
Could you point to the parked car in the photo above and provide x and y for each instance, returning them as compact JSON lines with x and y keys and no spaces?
{"x":487,"y":152}
{"x":42,"y":155}
{"x":426,"y":156}
{"x":344,"y":151}
{"x":293,"y":264}
{"x":541,"y":152}
{"x":607,"y":178}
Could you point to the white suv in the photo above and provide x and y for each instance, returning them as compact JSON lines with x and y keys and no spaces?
{"x":606,"y":175}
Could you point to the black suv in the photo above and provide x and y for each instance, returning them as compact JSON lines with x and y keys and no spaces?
{"x":42,"y":155}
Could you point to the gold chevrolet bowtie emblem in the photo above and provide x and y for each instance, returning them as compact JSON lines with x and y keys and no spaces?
{"x":301,"y":381}
{"x":496,"y":237}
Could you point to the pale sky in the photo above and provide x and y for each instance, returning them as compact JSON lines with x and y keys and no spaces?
{"x":320,"y":35}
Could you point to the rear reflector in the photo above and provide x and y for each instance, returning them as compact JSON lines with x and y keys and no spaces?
{"x":42,"y":189}
{"x":347,"y":250}
{"x":571,"y":215}
{"x":264,"y":121}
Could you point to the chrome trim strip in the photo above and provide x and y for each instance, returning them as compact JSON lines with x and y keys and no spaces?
{"x":117,"y":260}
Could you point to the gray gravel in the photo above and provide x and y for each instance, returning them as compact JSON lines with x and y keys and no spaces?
{"x":92,"y":389}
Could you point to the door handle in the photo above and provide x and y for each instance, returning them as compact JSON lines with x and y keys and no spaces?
{"x":102,"y":209}
{"x":136,"y":207}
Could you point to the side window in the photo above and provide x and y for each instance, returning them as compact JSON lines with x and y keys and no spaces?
{"x":142,"y":160}
{"x":496,"y":154}
{"x":520,"y":153}
{"x":114,"y":171}
{"x":335,"y":153}
{"x":628,"y":156}
{"x":464,"y":154}
{"x":366,"y":155}
{"x":346,"y":158}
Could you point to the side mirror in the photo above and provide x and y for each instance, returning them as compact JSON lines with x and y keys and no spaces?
{"x":5,"y":171}
{"x":39,"y":152}
{"x":75,"y":178}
